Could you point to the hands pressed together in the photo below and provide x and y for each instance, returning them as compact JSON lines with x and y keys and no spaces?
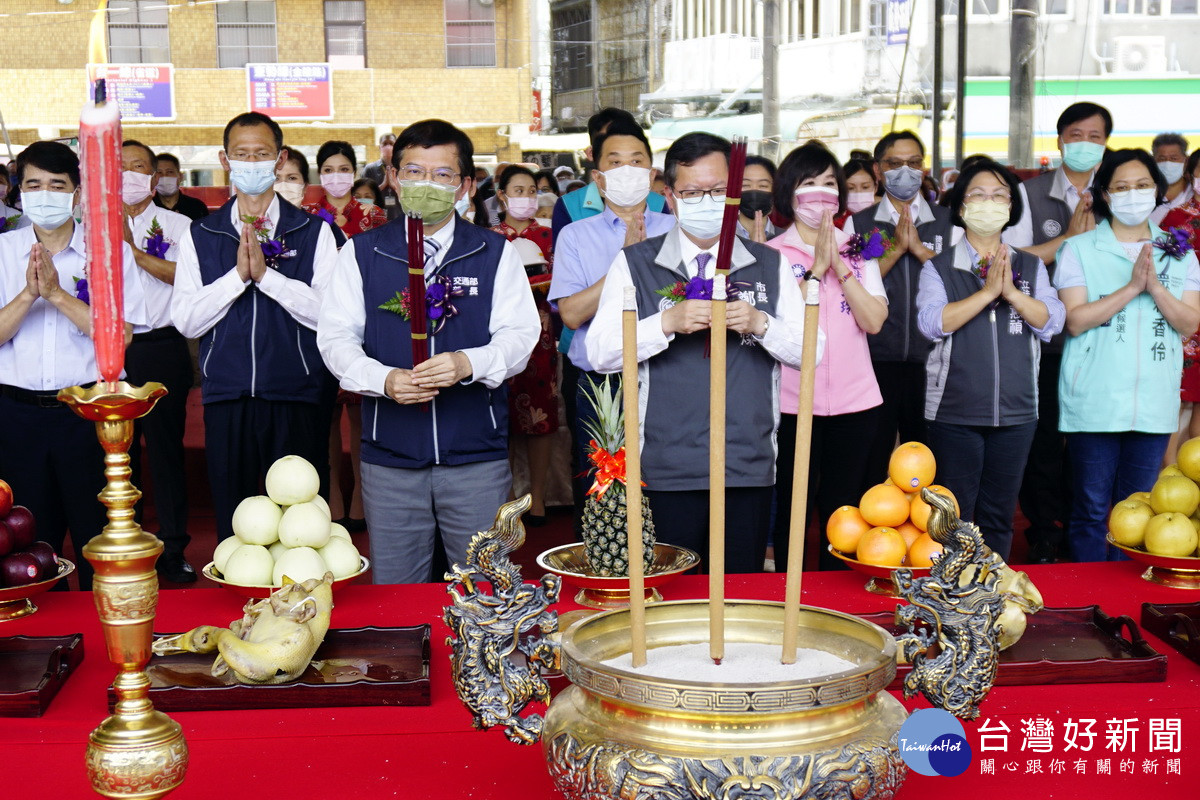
{"x":421,"y":384}
{"x":41,"y":276}
{"x":251,"y":265}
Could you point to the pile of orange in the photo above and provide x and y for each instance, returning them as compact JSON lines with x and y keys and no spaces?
{"x":888,"y":525}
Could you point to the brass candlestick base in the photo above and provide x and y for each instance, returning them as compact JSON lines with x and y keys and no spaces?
{"x":137,"y":752}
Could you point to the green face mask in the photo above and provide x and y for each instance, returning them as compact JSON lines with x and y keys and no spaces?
{"x":433,"y":201}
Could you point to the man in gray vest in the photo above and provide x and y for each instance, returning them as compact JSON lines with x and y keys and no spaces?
{"x":919,"y":231}
{"x":1058,"y":205}
{"x":673,"y":276}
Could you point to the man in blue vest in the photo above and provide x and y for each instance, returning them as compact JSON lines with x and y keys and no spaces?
{"x":435,"y":434}
{"x":248,"y":283}
{"x":765,"y":322}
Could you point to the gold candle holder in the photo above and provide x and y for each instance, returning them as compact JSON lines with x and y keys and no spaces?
{"x":137,"y":752}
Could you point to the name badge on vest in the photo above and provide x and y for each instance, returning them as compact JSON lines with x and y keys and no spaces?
{"x":935,"y":245}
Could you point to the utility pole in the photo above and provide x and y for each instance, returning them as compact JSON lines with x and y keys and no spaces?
{"x":770,"y":80}
{"x":960,"y":89}
{"x":939,"y":55}
{"x":1022,"y":64}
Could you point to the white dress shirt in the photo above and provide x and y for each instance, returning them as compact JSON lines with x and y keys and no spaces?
{"x":1021,"y":234}
{"x":48,"y":351}
{"x":514,"y":323}
{"x":784,"y":338}
{"x":158,"y":293}
{"x":1160,"y":212}
{"x":918,"y":208}
{"x":196,"y":307}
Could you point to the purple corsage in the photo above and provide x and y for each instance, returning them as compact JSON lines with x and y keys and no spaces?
{"x":156,"y":243}
{"x":81,"y":290}
{"x":859,"y":248}
{"x":1176,"y":245}
{"x":273,"y":250}
{"x":438,"y":306}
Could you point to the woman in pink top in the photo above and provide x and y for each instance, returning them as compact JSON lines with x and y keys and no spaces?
{"x":810,"y":191}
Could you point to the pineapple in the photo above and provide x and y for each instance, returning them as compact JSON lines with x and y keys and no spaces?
{"x":604,"y":532}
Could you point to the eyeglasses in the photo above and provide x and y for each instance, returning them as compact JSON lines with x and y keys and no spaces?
{"x":691,"y":196}
{"x":979,"y":195}
{"x":442,"y":175}
{"x":917,"y":162}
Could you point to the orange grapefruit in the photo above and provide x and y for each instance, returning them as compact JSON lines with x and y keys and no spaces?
{"x":845,"y":527}
{"x":883,"y":546}
{"x":912,"y":466}
{"x":909,"y":531}
{"x":923,"y":551}
{"x":884,"y":505}
{"x":919,"y":509}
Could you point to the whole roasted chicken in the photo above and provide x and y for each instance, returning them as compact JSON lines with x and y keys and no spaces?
{"x":275,"y":640}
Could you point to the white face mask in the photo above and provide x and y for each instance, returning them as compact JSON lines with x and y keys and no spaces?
{"x":135,"y":187}
{"x":857,"y":201}
{"x":47,"y":210}
{"x":703,"y":219}
{"x":292,"y":192}
{"x":337,"y":184}
{"x":1133,"y":207}
{"x":1171,"y":170}
{"x":166,"y":186}
{"x":626,"y":186}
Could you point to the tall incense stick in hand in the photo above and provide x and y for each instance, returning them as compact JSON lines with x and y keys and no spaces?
{"x":418,"y":319}
{"x":795,"y":564}
{"x":633,"y":479}
{"x":716,"y":474}
{"x":733,"y":199}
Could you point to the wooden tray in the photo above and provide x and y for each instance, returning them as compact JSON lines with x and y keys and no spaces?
{"x":358,"y":667}
{"x":1066,"y":645}
{"x":1177,"y":624}
{"x":33,"y":669}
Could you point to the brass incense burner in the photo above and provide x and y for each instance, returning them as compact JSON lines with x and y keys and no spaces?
{"x":617,"y":733}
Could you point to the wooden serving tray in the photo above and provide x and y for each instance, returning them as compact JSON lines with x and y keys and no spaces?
{"x":353,"y":667}
{"x":1178,"y":624}
{"x":1066,"y":645}
{"x":33,"y":669}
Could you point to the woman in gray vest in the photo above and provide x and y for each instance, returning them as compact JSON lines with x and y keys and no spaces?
{"x":985,"y":306}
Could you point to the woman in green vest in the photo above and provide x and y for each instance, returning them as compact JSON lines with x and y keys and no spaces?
{"x":1131,"y":293}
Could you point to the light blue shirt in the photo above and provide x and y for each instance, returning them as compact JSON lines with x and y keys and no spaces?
{"x":583,"y":254}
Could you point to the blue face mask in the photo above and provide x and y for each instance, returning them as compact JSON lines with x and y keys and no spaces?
{"x":47,"y":210}
{"x":252,"y":177}
{"x":903,"y":183}
{"x":1082,"y":156}
{"x":703,"y":219}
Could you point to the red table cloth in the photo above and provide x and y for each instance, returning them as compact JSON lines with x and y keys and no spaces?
{"x":432,"y":752}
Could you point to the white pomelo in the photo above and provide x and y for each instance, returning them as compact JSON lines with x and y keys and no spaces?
{"x":339,"y":530}
{"x":249,"y":565}
{"x":224,"y":550}
{"x":277,"y":549}
{"x":256,"y":520}
{"x":305,"y":525}
{"x":320,"y":501}
{"x":299,"y":564}
{"x":292,"y":480}
{"x":341,"y":557}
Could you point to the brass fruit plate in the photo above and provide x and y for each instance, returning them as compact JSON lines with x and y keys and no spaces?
{"x":15,"y":600}
{"x":595,"y":591}
{"x":1179,"y":572}
{"x":881,"y":576}
{"x":211,"y":573}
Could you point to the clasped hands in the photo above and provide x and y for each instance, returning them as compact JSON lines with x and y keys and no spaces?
{"x":421,"y":384}
{"x":690,"y":316}
{"x":251,"y":265}
{"x":41,"y":276}
{"x":999,"y":280}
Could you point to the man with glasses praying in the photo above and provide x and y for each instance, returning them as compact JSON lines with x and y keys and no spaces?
{"x":435,"y":434}
{"x":919,"y":231}
{"x":673,"y":274}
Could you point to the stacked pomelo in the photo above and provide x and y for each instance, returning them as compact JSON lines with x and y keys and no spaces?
{"x":888,"y":526}
{"x":1166,"y":520}
{"x":288,"y":531}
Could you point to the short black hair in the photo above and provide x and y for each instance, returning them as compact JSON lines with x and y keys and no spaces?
{"x":387,"y":138}
{"x":600,"y":121}
{"x":1104,"y":176}
{"x":549,"y":176}
{"x":764,"y":162}
{"x":434,"y":132}
{"x":957,"y":193}
{"x":337,"y":147}
{"x":250,"y":119}
{"x":807,"y":161}
{"x":1192,"y":162}
{"x":857,"y":165}
{"x":301,"y":163}
{"x":1080,"y":111}
{"x":53,"y":157}
{"x":149,"y":152}
{"x":1166,"y":139}
{"x":510,"y":172}
{"x":619,"y":128}
{"x":174,"y":159}
{"x":690,"y":148}
{"x":889,"y":139}
{"x":370,"y":184}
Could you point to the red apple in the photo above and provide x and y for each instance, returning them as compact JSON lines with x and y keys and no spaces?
{"x":6,"y":539}
{"x":6,"y":498}
{"x":46,"y":557}
{"x":19,"y":569}
{"x":24,"y":529}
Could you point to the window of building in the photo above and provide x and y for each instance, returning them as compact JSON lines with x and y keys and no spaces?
{"x":571,"y":29}
{"x":1058,"y":8}
{"x":1151,"y":8}
{"x":346,"y":33}
{"x":246,"y":33}
{"x":851,"y":17}
{"x":137,"y":32}
{"x":470,"y":33}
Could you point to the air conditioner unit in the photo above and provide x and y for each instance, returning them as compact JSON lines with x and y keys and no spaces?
{"x":1140,"y":54}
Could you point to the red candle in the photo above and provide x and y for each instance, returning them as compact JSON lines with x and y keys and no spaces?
{"x":100,"y":168}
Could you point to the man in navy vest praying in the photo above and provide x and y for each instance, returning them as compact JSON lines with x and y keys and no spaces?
{"x":435,"y":434}
{"x":765,"y":320}
{"x":248,"y":283}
